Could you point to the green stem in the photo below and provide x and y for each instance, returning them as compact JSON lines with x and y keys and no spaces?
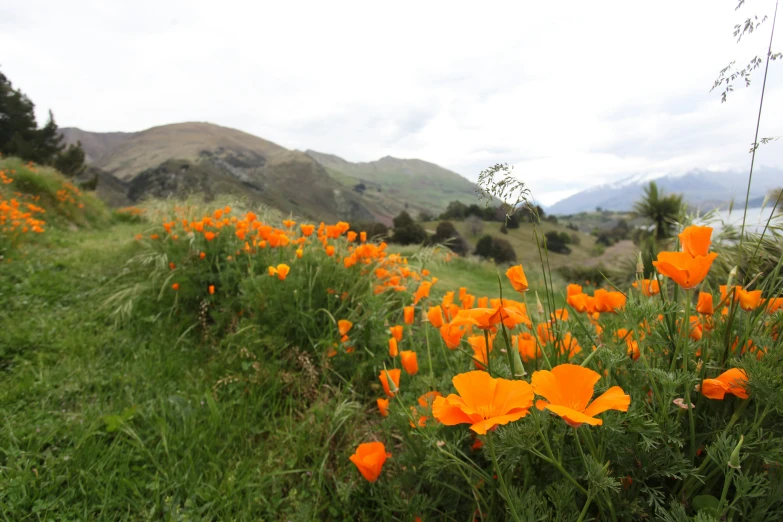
{"x":503,"y":486}
{"x":555,"y":462}
{"x":429,"y":353}
{"x":585,"y":508}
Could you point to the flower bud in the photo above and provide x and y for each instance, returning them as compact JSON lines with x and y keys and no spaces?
{"x":519,"y":368}
{"x":639,"y":264}
{"x":539,"y":306}
{"x":734,"y":461}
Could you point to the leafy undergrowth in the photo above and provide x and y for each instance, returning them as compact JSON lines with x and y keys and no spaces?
{"x":225,"y":365}
{"x":146,"y":423}
{"x":34,"y":199}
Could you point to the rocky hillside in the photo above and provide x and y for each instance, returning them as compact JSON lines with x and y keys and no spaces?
{"x":184,"y":158}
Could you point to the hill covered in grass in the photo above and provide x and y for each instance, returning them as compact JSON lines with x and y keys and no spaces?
{"x":185,"y":158}
{"x":391,"y":185}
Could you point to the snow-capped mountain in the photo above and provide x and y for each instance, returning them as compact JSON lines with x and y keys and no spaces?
{"x":700,"y":188}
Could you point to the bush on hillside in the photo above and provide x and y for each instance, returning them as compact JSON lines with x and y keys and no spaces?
{"x":558,"y":242}
{"x":407,"y":231}
{"x":373,"y":229}
{"x":496,"y":249}
{"x":446,"y":234}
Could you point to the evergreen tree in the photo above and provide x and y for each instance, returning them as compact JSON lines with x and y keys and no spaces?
{"x":71,"y":161}
{"x":20,"y":135}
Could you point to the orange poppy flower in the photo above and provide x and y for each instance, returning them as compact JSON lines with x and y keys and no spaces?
{"x":281,"y":271}
{"x":209,"y":236}
{"x":483,"y":318}
{"x":684,"y":269}
{"x":568,"y":389}
{"x":573,"y":289}
{"x":351,"y":236}
{"x":383,"y":406}
{"x":344,"y":326}
{"x":422,"y":292}
{"x":211,"y":289}
{"x":172,"y":266}
{"x":527,"y":346}
{"x":774,"y":304}
{"x":330,"y":250}
{"x":704,"y":305}
{"x":516,"y":276}
{"x":288,"y":223}
{"x":386,"y":376}
{"x":299,"y":253}
{"x":748,"y":300}
{"x":435,"y":316}
{"x":452,"y":335}
{"x":396,"y":331}
{"x":649,"y":287}
{"x":483,"y":402}
{"x":408,"y":314}
{"x":369,"y":459}
{"x":393,"y":350}
{"x":579,"y":302}
{"x":732,"y":381}
{"x":307,"y":230}
{"x":467,"y":301}
{"x":696,"y":240}
{"x":568,"y":344}
{"x":363,"y":236}
{"x":480,"y":353}
{"x":409,"y":361}
{"x":608,"y":301}
{"x":175,"y":286}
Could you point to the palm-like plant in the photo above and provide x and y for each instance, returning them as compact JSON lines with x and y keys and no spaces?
{"x":663,"y":210}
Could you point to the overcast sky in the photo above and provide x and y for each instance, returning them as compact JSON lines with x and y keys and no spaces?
{"x":573,"y":93}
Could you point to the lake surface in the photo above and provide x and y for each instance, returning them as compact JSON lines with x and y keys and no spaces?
{"x":755,"y":221}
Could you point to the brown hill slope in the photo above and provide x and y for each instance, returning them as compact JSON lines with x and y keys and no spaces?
{"x":184,"y":158}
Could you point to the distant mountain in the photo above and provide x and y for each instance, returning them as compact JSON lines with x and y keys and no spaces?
{"x":390,"y":185}
{"x":185,"y":158}
{"x":700,"y":188}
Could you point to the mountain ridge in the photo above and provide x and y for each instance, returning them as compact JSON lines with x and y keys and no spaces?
{"x":699,"y":188}
{"x":182,"y":158}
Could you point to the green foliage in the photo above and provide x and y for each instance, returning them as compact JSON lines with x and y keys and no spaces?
{"x":495,"y":248}
{"x":446,"y":234}
{"x":407,"y":231}
{"x":662,"y":210}
{"x":558,"y":242}
{"x":21,"y":137}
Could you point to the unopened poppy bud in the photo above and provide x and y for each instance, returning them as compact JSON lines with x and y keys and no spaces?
{"x":732,"y":276}
{"x":734,"y":461}
{"x":392,"y":386}
{"x":639,"y":264}
{"x":539,"y":306}
{"x":519,"y":368}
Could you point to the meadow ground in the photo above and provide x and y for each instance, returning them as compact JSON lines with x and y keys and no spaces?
{"x":217,"y":364}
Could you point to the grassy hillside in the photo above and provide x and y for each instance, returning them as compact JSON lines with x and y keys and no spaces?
{"x":180,"y":159}
{"x":209,"y":363}
{"x":187,"y":158}
{"x":394,"y":184}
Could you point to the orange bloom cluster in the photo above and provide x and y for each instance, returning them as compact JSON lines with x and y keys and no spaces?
{"x":689,"y":267}
{"x":70,"y":194}
{"x":19,"y":218}
{"x":602,"y":301}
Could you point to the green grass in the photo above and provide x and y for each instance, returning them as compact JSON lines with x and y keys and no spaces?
{"x":141,"y":423}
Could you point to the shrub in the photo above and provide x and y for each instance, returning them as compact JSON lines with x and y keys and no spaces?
{"x":496,"y":249}
{"x":557,"y":242}
{"x":446,"y":234}
{"x":407,"y":231}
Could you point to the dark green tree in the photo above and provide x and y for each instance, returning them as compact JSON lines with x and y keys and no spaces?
{"x":20,"y":135}
{"x":71,"y":161}
{"x":407,"y":231}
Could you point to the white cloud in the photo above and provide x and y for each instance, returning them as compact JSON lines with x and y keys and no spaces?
{"x":573,"y":93}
